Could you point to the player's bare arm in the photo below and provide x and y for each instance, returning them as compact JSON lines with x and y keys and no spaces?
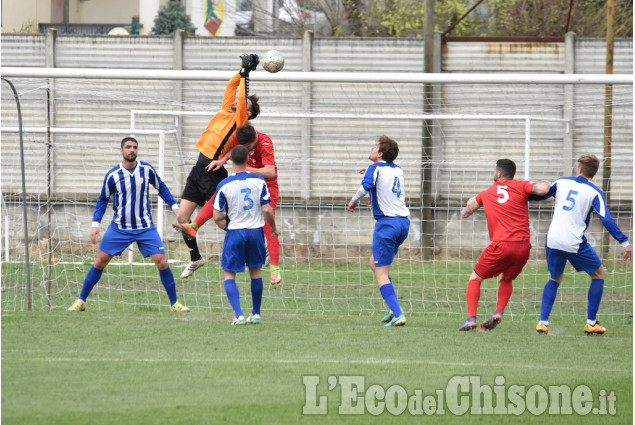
{"x":267,"y":171}
{"x":271,"y":219}
{"x":541,"y":188}
{"x":470,"y":208}
{"x":219,"y":219}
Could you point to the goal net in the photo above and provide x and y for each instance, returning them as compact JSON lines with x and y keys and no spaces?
{"x":449,"y":138}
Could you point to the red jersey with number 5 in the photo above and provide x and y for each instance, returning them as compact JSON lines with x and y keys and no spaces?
{"x":506,"y":209}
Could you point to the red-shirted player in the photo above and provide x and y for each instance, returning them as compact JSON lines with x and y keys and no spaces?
{"x":260,"y":161}
{"x":507,"y":214}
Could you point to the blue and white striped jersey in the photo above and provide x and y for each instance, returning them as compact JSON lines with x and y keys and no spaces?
{"x":242,"y":194}
{"x":575,"y":198}
{"x":385,"y":182}
{"x":131,"y":201}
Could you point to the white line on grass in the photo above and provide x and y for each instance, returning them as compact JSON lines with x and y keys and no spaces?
{"x":313,"y":361}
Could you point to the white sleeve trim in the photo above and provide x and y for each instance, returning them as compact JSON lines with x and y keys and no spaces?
{"x":175,"y":206}
{"x":361,"y":192}
{"x":95,"y":224}
{"x":625,"y":244}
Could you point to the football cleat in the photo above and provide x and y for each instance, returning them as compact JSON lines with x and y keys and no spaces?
{"x":239,"y":321}
{"x":186,"y":230}
{"x":595,"y":329}
{"x":78,"y":305}
{"x":469,"y":324}
{"x":543,"y":329}
{"x":388,"y":317}
{"x":491,"y":323}
{"x":177,"y":307}
{"x":192,"y":267}
{"x":275,"y":275}
{"x":397,"y":321}
{"x":253,"y":319}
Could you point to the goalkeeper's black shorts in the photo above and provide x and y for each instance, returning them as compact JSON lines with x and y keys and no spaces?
{"x":201,"y":184}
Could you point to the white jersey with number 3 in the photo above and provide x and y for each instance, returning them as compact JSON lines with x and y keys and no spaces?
{"x":242,"y":195}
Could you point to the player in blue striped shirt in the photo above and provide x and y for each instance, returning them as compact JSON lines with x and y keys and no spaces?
{"x":575,"y":198}
{"x":241,"y":204}
{"x":128,"y":183}
{"x":384,"y":180}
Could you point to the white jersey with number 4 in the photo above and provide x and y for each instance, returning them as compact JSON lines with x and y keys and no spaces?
{"x":385,"y":182}
{"x":575,"y":198}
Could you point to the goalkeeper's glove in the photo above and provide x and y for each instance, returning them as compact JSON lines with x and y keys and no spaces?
{"x":249,"y":63}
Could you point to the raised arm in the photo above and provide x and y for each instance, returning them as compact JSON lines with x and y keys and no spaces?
{"x":229,"y":98}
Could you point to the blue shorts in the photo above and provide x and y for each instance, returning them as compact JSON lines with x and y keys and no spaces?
{"x":243,"y":247}
{"x":389,"y":234}
{"x":115,"y":241}
{"x":585,"y":259}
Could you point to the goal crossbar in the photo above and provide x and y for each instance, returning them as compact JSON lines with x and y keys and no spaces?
{"x":324,"y":77}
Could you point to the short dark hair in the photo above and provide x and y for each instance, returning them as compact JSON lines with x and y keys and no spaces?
{"x":589,"y":164}
{"x":255,"y":108}
{"x":246,"y":134}
{"x":239,"y":155}
{"x":388,"y":147}
{"x":129,"y":138}
{"x":507,"y":167}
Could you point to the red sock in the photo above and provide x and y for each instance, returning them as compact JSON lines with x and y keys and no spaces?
{"x":505,"y":289}
{"x":205,"y":213}
{"x":273,"y":245}
{"x":473,"y":294}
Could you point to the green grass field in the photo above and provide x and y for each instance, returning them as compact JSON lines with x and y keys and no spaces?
{"x":124,"y":367}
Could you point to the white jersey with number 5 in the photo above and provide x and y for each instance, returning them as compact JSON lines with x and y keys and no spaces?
{"x":575,"y":198}
{"x":385,"y":182}
{"x":242,"y":195}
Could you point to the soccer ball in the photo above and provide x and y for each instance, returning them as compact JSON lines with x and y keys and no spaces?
{"x":273,"y":61}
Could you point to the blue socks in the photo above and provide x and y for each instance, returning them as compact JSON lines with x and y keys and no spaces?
{"x":256,"y":294}
{"x":233,"y":296}
{"x":548,"y":298}
{"x":92,"y":277}
{"x":388,"y":293}
{"x":594,"y":298}
{"x":167,"y":279}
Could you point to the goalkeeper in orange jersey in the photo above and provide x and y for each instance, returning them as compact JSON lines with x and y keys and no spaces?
{"x":215,"y":143}
{"x":260,"y":161}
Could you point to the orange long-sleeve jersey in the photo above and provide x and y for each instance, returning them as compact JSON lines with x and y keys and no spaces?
{"x":215,"y":141}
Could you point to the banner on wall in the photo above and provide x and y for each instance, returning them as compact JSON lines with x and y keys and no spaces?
{"x":214,"y":13}
{"x":214,"y":17}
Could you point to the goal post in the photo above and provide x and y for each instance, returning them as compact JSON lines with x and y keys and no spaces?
{"x":324,"y":248}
